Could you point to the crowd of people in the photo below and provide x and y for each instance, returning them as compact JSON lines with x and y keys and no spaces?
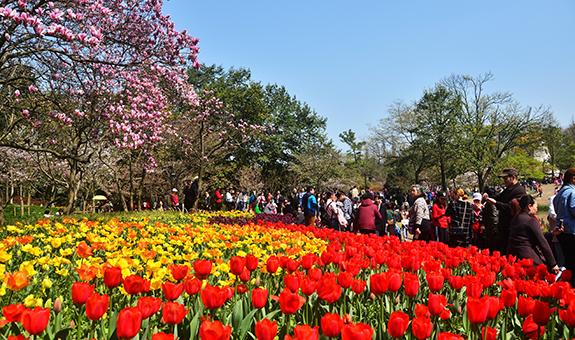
{"x":501,"y":219}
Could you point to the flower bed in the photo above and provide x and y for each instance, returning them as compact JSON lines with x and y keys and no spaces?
{"x":190,"y":277}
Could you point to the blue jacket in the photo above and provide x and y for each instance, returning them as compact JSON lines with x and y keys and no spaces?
{"x":564,"y":204}
{"x":310,"y":205}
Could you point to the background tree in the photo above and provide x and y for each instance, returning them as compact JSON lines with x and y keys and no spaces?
{"x":492,"y":124}
{"x":437,"y":130}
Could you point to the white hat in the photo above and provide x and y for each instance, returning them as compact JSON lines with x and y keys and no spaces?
{"x":195,"y":178}
{"x":175,"y":190}
{"x":477,"y":196}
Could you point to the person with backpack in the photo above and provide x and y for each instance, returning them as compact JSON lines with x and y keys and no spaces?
{"x":346,"y":206}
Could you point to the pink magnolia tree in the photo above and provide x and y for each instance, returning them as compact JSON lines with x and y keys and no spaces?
{"x":77,"y":75}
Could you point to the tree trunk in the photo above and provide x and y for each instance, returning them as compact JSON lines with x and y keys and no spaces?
{"x":131,"y":186}
{"x":122,"y":199}
{"x":2,"y":219}
{"x":141,"y":188}
{"x":443,"y":179}
{"x":29,"y":199}
{"x":21,"y":201}
{"x":72,"y":186}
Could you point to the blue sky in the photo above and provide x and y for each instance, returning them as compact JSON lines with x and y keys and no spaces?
{"x":351,"y":60}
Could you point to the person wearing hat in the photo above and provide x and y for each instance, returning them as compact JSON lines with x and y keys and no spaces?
{"x":174,"y":201}
{"x":478,"y":228}
{"x":513,"y":189}
{"x":440,"y":221}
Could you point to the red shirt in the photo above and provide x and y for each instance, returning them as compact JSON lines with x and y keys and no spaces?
{"x":438,"y":214}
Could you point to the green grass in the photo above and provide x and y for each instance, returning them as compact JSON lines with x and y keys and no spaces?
{"x":37,"y":213}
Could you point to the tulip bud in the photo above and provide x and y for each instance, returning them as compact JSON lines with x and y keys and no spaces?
{"x":372,"y":296}
{"x":72,"y":324}
{"x":48,"y":303}
{"x":57,"y":305}
{"x":459,"y":310}
{"x":397,"y":300}
{"x":258,"y":281}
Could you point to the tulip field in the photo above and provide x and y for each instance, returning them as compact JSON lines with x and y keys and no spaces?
{"x":233,"y":275}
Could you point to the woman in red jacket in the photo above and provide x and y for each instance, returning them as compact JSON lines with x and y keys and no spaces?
{"x":366,"y":215}
{"x":218,"y":199}
{"x":440,"y":221}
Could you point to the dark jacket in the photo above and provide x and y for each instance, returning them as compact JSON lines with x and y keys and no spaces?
{"x":526,"y":241}
{"x":503,"y":206}
{"x":366,"y":215}
{"x":381,"y":224}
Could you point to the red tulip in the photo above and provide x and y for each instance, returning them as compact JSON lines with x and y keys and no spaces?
{"x":397,"y":324}
{"x":17,"y":337}
{"x":245,"y":275}
{"x":163,"y":336}
{"x":421,"y":328}
{"x":308,"y":260}
{"x":134,"y":284}
{"x":35,"y":320}
{"x":421,"y":311}
{"x":96,"y":306}
{"x":266,"y":330}
{"x":530,"y":328}
{"x":173,"y":313}
{"x":449,"y":336}
{"x":192,"y":286}
{"x":214,"y":297}
{"x":542,"y":312}
{"x":81,"y":291}
{"x":509,"y":297}
{"x":411,"y":283}
{"x":568,"y":315}
{"x":435,"y":281}
{"x":488,"y":333}
{"x":344,"y":279}
{"x":304,"y":332}
{"x":314,"y":274}
{"x":128,"y":323}
{"x":525,"y":305}
{"x":13,"y":313}
{"x":203,"y":268}
{"x":436,"y":303}
{"x":172,"y":291}
{"x":394,"y":282}
{"x":289,"y":302}
{"x":149,"y":306}
{"x":308,"y":286}
{"x":378,"y":283}
{"x":445,"y":314}
{"x":456,"y":282}
{"x":112,"y":276}
{"x":331,"y":325}
{"x":237,"y":264}
{"x":358,"y":331}
{"x":179,"y":272}
{"x":214,"y":331}
{"x":358,"y":286}
{"x":328,"y":290}
{"x":252,"y":262}
{"x":259,"y":297}
{"x":291,"y":282}
{"x":272,"y":264}
{"x":477,"y":309}
{"x":474,"y":287}
{"x":495,"y":305}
